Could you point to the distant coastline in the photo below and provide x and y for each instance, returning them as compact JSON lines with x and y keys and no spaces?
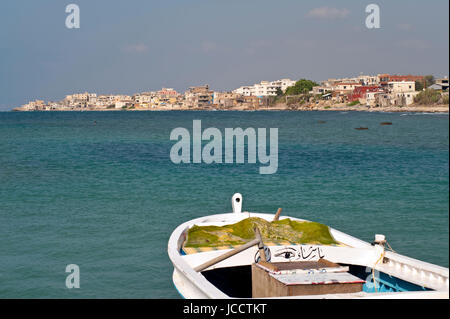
{"x":380,"y":93}
{"x":440,"y":108}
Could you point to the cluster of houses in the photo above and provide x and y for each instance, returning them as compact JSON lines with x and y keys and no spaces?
{"x":167,"y":98}
{"x":379,"y":90}
{"x":82,"y":101}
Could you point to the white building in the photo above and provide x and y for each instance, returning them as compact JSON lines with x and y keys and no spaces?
{"x":283,"y":83}
{"x":346,"y":87}
{"x":143,"y":98}
{"x":361,"y":79}
{"x":402,"y":87}
{"x":404,"y":98}
{"x":398,"y":94}
{"x":369,"y":80}
{"x":33,"y":105}
{"x":265,"y":88}
{"x":322,"y":89}
{"x":119,"y":104}
{"x":245,"y":90}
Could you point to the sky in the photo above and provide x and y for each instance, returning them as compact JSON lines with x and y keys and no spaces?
{"x":126,"y":47}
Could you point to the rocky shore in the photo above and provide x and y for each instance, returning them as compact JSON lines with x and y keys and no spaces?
{"x":442,"y":108}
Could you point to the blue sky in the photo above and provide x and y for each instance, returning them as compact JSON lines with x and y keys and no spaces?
{"x":141,"y":45}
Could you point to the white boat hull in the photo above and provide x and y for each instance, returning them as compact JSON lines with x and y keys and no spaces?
{"x":192,"y":284}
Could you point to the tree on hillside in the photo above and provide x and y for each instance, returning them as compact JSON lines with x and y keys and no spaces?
{"x":301,"y":87}
{"x":279,"y":91}
{"x":419,"y":85}
{"x":429,"y":80}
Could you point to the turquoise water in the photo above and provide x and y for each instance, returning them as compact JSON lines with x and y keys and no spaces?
{"x":98,"y":189}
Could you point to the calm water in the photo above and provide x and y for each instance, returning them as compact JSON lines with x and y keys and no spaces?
{"x":106,"y":196}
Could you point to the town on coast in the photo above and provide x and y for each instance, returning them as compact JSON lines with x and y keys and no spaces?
{"x":382,"y":92}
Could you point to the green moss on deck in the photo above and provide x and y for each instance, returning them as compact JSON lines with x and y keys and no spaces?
{"x":242,"y":232}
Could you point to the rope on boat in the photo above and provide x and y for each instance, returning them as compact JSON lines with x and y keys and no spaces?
{"x":381,"y":258}
{"x":373,"y":271}
{"x":390,"y":248}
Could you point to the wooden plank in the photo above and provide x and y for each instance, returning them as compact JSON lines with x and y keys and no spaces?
{"x":303,"y":290}
{"x":257,"y":241}
{"x":265,"y":284}
{"x":317,"y":278}
{"x":277,"y":215}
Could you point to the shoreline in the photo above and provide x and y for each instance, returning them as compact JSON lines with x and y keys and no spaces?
{"x":435,"y":108}
{"x":334,"y":108}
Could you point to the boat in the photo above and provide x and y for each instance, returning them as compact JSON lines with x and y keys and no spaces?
{"x":260,"y":268}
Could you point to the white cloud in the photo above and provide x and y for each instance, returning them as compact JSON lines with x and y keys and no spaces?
{"x":328,"y":13}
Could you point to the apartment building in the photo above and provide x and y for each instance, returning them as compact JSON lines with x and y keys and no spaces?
{"x":245,"y":91}
{"x":371,"y":80}
{"x":283,"y":84}
{"x":385,"y":79}
{"x":198,"y":96}
{"x":226,"y":99}
{"x":265,"y":88}
{"x":33,"y":105}
{"x":143,"y":98}
{"x":345,"y":87}
{"x":403,"y":98}
{"x":397,"y":93}
{"x":401,"y":87}
{"x":168,"y":97}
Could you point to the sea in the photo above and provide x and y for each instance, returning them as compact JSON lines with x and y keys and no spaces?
{"x":100,"y":191}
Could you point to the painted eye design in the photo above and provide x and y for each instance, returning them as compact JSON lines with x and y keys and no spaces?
{"x":287,"y":253}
